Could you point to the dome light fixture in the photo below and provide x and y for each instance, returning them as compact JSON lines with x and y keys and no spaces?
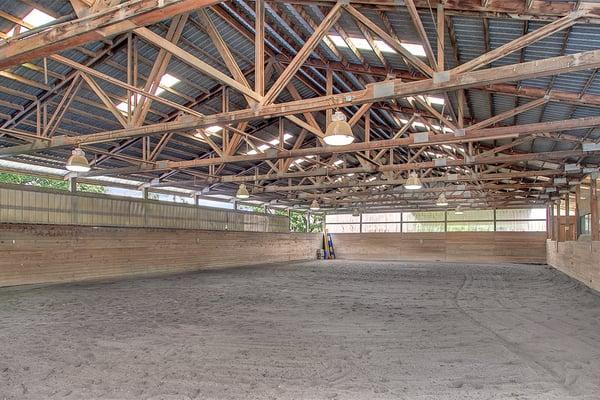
{"x":242,"y":192}
{"x":339,"y":131}
{"x":77,"y":161}
{"x":458,"y":210}
{"x":315,"y":205}
{"x":413,"y":182}
{"x":442,"y":201}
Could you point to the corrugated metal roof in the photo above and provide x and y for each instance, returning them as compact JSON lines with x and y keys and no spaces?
{"x":285,"y":35}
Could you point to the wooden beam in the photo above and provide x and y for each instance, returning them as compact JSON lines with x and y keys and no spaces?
{"x":416,"y":19}
{"x":194,"y":62}
{"x":441,"y":36}
{"x":105,"y":99}
{"x":512,"y":9}
{"x":158,"y":70}
{"x":373,"y":92}
{"x":303,"y":54}
{"x":397,"y":88}
{"x":107,"y":23}
{"x":114,"y":81}
{"x":259,"y":48}
{"x":386,"y":37}
{"x":397,"y":182}
{"x":509,"y":113}
{"x":519,"y":43}
{"x":357,"y":147}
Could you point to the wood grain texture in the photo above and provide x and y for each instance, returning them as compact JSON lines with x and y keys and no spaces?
{"x":54,"y":253}
{"x":481,"y":247}
{"x":578,"y":259}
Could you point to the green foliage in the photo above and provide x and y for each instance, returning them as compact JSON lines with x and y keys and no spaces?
{"x":297,"y":222}
{"x":316,"y":223}
{"x":22,"y":179}
{"x":251,"y":208}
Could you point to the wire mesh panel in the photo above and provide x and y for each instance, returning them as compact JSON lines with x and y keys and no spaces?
{"x":37,"y":206}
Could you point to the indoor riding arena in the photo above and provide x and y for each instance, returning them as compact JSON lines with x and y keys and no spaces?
{"x":299,"y":199}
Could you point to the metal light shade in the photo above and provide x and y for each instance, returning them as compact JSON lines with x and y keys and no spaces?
{"x":442,"y":201}
{"x":314,"y":205}
{"x":242,"y":192}
{"x":355,"y":213}
{"x":339,"y":132}
{"x":77,"y":162}
{"x":413,"y":182}
{"x":458,"y":210}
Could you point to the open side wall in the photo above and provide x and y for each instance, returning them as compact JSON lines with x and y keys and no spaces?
{"x":487,"y":247}
{"x":34,"y":254}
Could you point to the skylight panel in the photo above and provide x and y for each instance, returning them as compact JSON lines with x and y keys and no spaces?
{"x":273,"y":142}
{"x":167,"y":80}
{"x":338,"y":41}
{"x":414,"y":49}
{"x":361,"y":44}
{"x":384,"y":47}
{"x":435,"y":100}
{"x":38,"y":18}
{"x":213,"y":129}
{"x":35,"y":18}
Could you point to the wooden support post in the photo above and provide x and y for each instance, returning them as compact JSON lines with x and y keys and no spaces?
{"x":595,"y":218}
{"x":577,"y":199}
{"x":440,"y":37}
{"x":72,"y":184}
{"x":259,"y":48}
{"x":225,"y":107}
{"x":549,"y":222}
{"x":329,"y":92}
{"x":557,"y":221}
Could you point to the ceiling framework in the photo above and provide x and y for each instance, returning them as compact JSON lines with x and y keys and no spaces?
{"x":205,"y":95}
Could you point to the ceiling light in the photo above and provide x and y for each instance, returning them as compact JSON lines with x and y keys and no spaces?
{"x":458,"y":210}
{"x":77,"y":162}
{"x":413,"y":182}
{"x":441,"y":201}
{"x":315,"y":205}
{"x":355,"y":213}
{"x":339,"y":132}
{"x":242,"y":192}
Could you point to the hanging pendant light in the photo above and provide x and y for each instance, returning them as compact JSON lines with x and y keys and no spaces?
{"x":413,"y":182}
{"x":442,"y":201}
{"x":339,"y":132}
{"x":77,"y":161}
{"x":458,"y":210}
{"x":242,"y":192}
{"x":356,"y":212}
{"x":315,"y":205}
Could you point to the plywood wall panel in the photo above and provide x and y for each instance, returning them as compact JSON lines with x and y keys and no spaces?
{"x":54,"y":253}
{"x":522,"y":247}
{"x":578,"y":259}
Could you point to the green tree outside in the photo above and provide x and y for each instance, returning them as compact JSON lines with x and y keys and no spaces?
{"x":59,"y":184}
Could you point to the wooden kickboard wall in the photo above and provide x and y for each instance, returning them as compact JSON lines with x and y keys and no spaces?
{"x":578,"y":259}
{"x":483,"y":247}
{"x":32,"y":254}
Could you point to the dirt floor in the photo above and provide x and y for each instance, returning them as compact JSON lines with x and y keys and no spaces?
{"x":314,"y":330}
